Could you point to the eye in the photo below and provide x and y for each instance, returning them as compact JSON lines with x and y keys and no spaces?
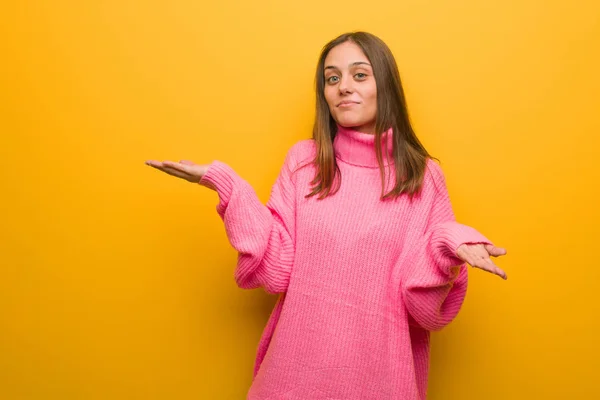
{"x":333,"y":79}
{"x":360,"y":76}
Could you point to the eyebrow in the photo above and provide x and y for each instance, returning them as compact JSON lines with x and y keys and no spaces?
{"x":354,"y":64}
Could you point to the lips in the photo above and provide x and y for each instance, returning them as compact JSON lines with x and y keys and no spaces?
{"x":347,"y":103}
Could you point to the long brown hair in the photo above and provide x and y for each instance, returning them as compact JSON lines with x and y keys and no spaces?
{"x":409,"y":155}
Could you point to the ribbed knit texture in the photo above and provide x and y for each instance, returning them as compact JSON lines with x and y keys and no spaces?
{"x":362,"y":281}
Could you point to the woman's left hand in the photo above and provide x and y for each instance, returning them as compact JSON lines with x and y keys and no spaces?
{"x":478,"y":256}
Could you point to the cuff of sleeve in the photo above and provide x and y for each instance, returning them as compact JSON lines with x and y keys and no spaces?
{"x":219,"y":177}
{"x":452,"y":234}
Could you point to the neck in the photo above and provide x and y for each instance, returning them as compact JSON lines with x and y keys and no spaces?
{"x":358,"y":147}
{"x":369,"y":128}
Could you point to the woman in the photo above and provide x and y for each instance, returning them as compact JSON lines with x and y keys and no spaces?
{"x":358,"y":236}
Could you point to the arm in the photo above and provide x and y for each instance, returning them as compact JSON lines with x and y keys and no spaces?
{"x":263,"y":235}
{"x":435,"y":283}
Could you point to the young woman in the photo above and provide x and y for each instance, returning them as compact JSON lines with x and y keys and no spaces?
{"x":358,"y":236}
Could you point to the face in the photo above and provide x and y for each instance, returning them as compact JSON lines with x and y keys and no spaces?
{"x":350,"y":89}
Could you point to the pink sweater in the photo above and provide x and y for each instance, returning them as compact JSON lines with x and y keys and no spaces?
{"x":362,"y":281}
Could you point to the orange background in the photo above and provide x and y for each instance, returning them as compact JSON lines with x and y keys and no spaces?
{"x":117,"y":281}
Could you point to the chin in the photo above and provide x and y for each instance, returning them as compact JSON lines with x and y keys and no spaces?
{"x":351,"y":122}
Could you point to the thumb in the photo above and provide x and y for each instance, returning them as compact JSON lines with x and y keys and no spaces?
{"x":495,"y":251}
{"x":186,"y":162}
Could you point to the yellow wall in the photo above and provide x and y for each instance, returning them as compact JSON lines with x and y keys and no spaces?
{"x":116,"y":281}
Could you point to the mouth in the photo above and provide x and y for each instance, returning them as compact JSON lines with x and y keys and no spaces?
{"x":344,"y":104}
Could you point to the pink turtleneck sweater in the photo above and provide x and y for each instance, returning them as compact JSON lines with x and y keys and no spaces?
{"x":362,"y":281}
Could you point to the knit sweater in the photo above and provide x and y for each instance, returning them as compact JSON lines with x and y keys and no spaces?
{"x":362,"y":281}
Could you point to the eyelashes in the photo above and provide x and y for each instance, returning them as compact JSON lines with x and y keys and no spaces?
{"x":360,"y":76}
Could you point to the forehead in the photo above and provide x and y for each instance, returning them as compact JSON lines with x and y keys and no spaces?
{"x":344,"y":54}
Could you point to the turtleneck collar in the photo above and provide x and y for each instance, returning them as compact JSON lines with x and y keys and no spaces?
{"x":358,"y":148}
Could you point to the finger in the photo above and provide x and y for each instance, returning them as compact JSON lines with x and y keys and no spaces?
{"x":175,"y":172}
{"x":188,"y":169}
{"x":170,"y":167}
{"x":489,"y":266}
{"x":495,"y":251}
{"x":158,"y":165}
{"x":176,"y":165}
{"x":171,"y":171}
{"x":187,"y":162}
{"x":153,"y":163}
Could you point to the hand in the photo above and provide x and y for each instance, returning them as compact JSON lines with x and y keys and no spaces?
{"x":478,"y":255}
{"x":183,"y":169}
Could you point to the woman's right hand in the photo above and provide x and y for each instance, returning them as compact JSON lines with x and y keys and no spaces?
{"x":183,"y":169}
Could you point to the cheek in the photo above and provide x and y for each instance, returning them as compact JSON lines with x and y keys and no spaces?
{"x":330,"y":98}
{"x":373,"y":95}
{"x":373,"y":104}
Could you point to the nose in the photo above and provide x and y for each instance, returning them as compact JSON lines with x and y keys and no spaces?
{"x":345,"y":86}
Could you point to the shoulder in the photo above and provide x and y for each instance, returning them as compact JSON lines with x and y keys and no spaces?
{"x":302,"y":151}
{"x":304,"y":148}
{"x":434,"y":176}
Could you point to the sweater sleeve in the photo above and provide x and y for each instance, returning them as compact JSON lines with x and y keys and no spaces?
{"x":435,"y":283}
{"x":263,"y":235}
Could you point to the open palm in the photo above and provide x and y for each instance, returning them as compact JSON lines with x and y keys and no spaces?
{"x":183,"y":169}
{"x":478,"y":256}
